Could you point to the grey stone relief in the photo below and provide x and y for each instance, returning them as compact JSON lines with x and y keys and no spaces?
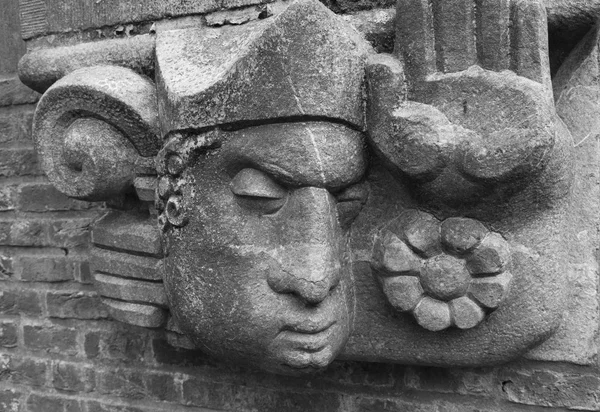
{"x":281,"y":195}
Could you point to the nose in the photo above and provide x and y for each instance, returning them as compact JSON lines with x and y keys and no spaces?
{"x":310,"y":259}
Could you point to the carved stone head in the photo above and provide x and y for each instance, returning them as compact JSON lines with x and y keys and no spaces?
{"x":268,"y":240}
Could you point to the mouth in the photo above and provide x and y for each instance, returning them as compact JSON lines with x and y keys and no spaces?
{"x":308,"y":327}
{"x":308,"y":338}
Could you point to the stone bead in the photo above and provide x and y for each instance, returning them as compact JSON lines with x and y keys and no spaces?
{"x":490,"y":257}
{"x":461,"y":235}
{"x":395,"y":258}
{"x":422,"y":233}
{"x":491,"y":291}
{"x":445,"y":277}
{"x":403,"y":292}
{"x":466,"y":313}
{"x":433,"y":315}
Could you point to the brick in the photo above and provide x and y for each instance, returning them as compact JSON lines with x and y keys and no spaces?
{"x":82,"y":273}
{"x":70,"y":233}
{"x":46,"y":403}
{"x":43,"y":197}
{"x":123,"y":343}
{"x":6,"y":266}
{"x":19,"y":161}
{"x":161,"y":387}
{"x":71,"y":377}
{"x":51,"y":339}
{"x":94,"y":406}
{"x":238,"y":397}
{"x":44,"y":268}
{"x":363,"y":373}
{"x":551,"y":389}
{"x":75,"y":305}
{"x":14,"y":302}
{"x":121,"y":383}
{"x":168,"y":355}
{"x":91,"y":344}
{"x":28,"y":372}
{"x":23,"y":233}
{"x":13,"y":92}
{"x":8,"y":334}
{"x":10,"y":400}
{"x":15,"y":123}
{"x":8,"y":197}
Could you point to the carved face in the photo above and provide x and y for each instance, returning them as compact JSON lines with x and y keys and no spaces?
{"x":260,"y":273}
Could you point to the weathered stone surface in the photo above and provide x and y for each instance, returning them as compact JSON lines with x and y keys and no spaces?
{"x":393,"y":257}
{"x":145,"y":187}
{"x":277,"y":68}
{"x":130,"y":290}
{"x":433,"y":314}
{"x":94,"y":156}
{"x":125,"y":265}
{"x":39,"y":69}
{"x":264,"y":197}
{"x":466,"y":314}
{"x":136,"y":314}
{"x":403,"y":292}
{"x":577,"y":93}
{"x":128,"y":233}
{"x":43,"y":16}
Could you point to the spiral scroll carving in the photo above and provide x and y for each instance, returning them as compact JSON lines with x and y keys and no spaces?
{"x":93,"y":128}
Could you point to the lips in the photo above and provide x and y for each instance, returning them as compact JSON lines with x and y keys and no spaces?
{"x":308,"y":327}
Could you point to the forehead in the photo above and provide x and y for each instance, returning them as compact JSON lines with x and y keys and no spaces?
{"x":320,"y":154}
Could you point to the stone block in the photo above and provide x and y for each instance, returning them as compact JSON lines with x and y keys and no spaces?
{"x":136,"y":314}
{"x":125,"y":265}
{"x":145,"y":187}
{"x":128,"y":232}
{"x":131,"y":290}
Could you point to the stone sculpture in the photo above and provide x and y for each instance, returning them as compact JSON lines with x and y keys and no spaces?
{"x":281,"y":195}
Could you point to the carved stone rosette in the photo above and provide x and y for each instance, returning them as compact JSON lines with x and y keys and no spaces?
{"x":280,"y":195}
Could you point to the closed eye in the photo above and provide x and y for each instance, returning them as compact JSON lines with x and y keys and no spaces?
{"x":255,"y":190}
{"x":350,"y":202}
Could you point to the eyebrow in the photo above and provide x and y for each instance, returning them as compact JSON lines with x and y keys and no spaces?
{"x":320,"y":154}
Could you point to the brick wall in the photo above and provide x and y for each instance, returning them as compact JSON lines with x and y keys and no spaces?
{"x":59,"y":352}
